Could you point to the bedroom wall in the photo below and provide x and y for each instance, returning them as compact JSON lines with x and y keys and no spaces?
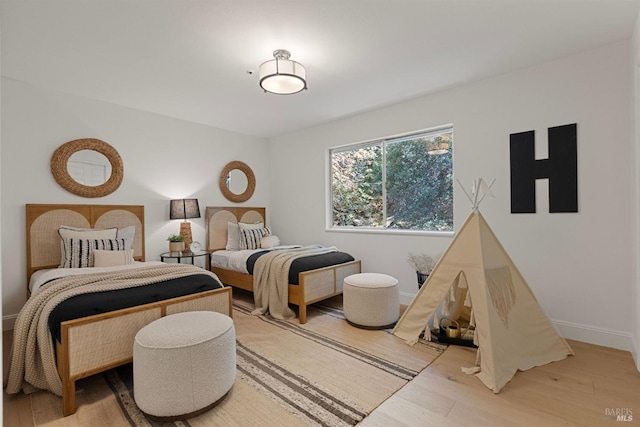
{"x":164,"y":158}
{"x":579,"y":265}
{"x":636,"y":212}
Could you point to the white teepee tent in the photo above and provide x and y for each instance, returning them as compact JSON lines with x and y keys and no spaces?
{"x":512,"y":331}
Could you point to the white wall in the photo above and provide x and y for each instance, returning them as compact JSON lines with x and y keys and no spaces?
{"x":164,"y":158}
{"x":579,"y":265}
{"x":636,"y":211}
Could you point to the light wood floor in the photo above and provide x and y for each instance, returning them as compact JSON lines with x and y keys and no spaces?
{"x":581,"y":390}
{"x":578,"y":391}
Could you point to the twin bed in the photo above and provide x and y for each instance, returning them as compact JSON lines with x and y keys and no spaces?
{"x":93,"y":343}
{"x":314,"y":279}
{"x":98,"y":342}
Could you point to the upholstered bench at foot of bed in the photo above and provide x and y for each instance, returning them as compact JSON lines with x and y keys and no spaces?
{"x":183,"y":364}
{"x":371,"y":300}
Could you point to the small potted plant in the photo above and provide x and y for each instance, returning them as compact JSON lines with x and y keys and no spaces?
{"x":423,"y":264}
{"x":176,"y":242}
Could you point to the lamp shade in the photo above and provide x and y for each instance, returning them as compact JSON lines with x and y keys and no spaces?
{"x":184,"y":209}
{"x":281,"y":75}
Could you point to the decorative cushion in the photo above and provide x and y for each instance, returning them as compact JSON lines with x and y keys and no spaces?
{"x":233,"y":233}
{"x":110,"y":258}
{"x":80,"y":251}
{"x":233,"y":237}
{"x":269,"y":242}
{"x":127,"y":233}
{"x":247,"y":226}
{"x":66,"y":232}
{"x":250,"y":239}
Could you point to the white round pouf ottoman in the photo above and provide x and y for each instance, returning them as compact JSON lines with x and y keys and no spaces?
{"x":371,"y":300}
{"x":183,"y":364}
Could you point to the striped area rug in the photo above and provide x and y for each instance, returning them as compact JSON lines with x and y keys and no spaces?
{"x":323,"y":373}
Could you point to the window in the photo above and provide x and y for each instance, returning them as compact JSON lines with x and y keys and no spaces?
{"x":394,"y":183}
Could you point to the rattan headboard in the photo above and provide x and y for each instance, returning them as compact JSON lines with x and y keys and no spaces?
{"x":217,"y":218}
{"x":43,"y":221}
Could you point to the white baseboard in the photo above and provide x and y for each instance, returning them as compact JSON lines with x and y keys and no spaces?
{"x":8,"y":322}
{"x":574,"y":331}
{"x":594,"y":335}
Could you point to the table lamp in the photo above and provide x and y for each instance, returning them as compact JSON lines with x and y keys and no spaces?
{"x":185,"y":209}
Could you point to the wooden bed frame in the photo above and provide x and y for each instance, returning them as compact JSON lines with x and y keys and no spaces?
{"x":94,"y":344}
{"x":314,"y":285}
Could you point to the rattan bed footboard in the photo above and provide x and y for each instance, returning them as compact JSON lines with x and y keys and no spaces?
{"x":315,"y":285}
{"x":94,"y":344}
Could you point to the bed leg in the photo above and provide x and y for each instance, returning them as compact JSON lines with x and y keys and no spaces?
{"x":302,"y":315}
{"x":68,"y":397}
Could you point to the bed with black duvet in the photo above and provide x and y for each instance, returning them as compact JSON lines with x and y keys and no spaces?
{"x":306,"y":263}
{"x":106,"y":301}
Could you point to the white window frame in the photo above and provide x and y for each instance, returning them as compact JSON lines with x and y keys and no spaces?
{"x":329,"y":227}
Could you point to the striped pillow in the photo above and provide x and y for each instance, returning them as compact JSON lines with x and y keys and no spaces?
{"x":250,"y":238}
{"x":234,"y":231}
{"x":67,"y":232}
{"x":80,"y":251}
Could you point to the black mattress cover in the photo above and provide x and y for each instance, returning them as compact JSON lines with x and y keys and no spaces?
{"x":105,"y":301}
{"x":306,"y":263}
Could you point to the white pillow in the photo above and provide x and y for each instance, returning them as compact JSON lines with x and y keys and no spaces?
{"x":103,"y":258}
{"x":269,"y":242}
{"x":80,"y":251}
{"x":66,"y":233}
{"x":127,"y":233}
{"x":233,"y":233}
{"x":233,"y":237}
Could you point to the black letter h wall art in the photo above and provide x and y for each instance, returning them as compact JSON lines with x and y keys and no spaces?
{"x":561,"y":168}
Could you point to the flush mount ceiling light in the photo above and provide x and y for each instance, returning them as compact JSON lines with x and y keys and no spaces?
{"x":281,"y":75}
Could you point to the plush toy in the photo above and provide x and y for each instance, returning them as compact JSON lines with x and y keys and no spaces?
{"x":269,"y":241}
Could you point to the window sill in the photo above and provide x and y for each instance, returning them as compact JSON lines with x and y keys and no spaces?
{"x":362,"y":230}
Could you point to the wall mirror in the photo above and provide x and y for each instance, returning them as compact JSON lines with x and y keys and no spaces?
{"x":87,"y":167}
{"x":237,"y":182}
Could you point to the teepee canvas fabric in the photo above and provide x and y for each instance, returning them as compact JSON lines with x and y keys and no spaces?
{"x":511,"y":330}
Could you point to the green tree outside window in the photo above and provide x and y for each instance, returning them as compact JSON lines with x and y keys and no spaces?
{"x":394,"y":183}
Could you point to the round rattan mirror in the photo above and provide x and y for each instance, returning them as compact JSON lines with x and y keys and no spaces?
{"x":248,"y":182}
{"x":60,"y":171}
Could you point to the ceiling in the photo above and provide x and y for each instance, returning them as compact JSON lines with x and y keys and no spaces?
{"x":190,"y":59}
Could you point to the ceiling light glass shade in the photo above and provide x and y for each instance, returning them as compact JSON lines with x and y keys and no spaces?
{"x":281,"y":75}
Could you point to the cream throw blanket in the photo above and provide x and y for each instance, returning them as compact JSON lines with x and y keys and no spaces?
{"x":33,"y":363}
{"x":271,"y":279}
